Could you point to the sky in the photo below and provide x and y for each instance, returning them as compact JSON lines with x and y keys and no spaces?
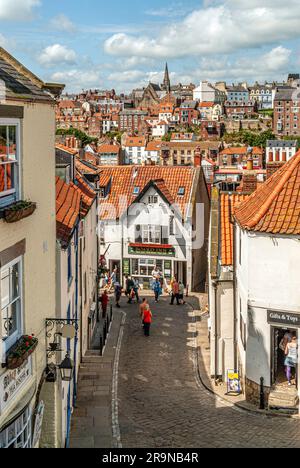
{"x":124,"y":45}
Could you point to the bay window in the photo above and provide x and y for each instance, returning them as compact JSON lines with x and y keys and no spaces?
{"x":11,"y":302}
{"x":9,"y":161}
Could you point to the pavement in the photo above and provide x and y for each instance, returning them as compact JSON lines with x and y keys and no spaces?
{"x":156,"y":393}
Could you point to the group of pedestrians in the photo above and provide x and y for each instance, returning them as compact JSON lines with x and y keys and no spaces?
{"x":132,"y":292}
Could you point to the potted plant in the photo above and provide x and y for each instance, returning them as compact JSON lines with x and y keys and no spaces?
{"x":21,"y":351}
{"x":19,"y":210}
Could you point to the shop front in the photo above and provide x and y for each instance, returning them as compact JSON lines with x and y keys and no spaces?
{"x":145,"y":258}
{"x":17,"y":390}
{"x":284,"y":326}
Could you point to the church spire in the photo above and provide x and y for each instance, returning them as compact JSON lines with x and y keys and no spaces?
{"x":167,"y":83}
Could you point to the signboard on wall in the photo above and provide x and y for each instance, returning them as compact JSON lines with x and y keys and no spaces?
{"x":126,"y":267}
{"x":12,"y":382}
{"x":284,"y":318}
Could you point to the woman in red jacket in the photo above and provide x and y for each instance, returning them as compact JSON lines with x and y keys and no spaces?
{"x":147,"y":320}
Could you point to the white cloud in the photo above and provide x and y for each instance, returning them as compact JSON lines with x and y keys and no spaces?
{"x":63,"y":23}
{"x":76,"y":80}
{"x":224,"y":28}
{"x":56,"y":55}
{"x":17,"y":10}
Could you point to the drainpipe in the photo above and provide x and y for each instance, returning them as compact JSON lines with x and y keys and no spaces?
{"x":235,"y":358}
{"x":215,"y":286}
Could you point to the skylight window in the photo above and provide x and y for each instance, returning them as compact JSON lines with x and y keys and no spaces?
{"x":181,"y":191}
{"x":136,"y":190}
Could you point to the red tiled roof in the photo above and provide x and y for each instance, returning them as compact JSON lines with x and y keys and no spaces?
{"x":108,"y":149}
{"x":84,"y":169}
{"x":153,"y":146}
{"x":71,"y":202}
{"x":206,"y":104}
{"x":275,"y":207}
{"x":228,"y":205}
{"x":240,"y":150}
{"x":135,"y":142}
{"x":125,"y":178}
{"x":66,"y":149}
{"x":67,"y":209}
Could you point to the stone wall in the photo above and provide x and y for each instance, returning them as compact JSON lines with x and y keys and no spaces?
{"x":252,"y":391}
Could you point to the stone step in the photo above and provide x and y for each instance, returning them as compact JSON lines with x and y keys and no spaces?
{"x":280,"y":398}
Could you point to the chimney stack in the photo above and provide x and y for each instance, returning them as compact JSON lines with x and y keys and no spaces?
{"x":198,"y":157}
{"x":249,"y":181}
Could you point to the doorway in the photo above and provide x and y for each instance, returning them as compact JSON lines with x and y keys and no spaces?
{"x":280,"y":336}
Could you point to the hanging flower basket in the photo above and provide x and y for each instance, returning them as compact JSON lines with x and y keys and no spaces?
{"x":21,"y":351}
{"x":18,"y":211}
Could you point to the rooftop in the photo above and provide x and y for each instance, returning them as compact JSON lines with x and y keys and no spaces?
{"x":275,"y":207}
{"x":127,"y":178}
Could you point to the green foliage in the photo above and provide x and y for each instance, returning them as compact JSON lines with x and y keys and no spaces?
{"x":297,"y":138}
{"x":246,"y":137}
{"x":113,"y":135}
{"x":83,"y":137}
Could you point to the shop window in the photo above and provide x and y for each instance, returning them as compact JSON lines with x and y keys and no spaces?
{"x":11,"y":302}
{"x":18,"y":434}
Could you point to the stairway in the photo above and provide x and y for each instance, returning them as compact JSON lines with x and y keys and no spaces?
{"x":284,"y":399}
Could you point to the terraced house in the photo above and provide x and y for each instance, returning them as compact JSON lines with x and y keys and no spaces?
{"x":27,"y":246}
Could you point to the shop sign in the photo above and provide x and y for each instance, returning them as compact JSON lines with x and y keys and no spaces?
{"x":233,"y":383}
{"x":284,"y":318}
{"x":154,"y":252}
{"x":126,"y":267}
{"x":12,"y":382}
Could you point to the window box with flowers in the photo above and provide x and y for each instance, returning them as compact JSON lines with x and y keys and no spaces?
{"x":19,"y":210}
{"x":21,"y":351}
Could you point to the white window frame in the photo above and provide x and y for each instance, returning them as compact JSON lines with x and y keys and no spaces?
{"x":18,"y":189}
{"x":149,"y":231}
{"x":7,"y":343}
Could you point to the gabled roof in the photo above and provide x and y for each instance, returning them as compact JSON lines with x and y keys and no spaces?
{"x":124,"y":179}
{"x":275,"y":207}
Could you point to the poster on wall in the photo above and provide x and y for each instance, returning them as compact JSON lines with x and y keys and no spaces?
{"x":233,"y":383}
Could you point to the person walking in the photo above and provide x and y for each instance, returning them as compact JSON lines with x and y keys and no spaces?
{"x":136,"y":288}
{"x":147,"y":320}
{"x":175,"y":292}
{"x":118,"y":294}
{"x":291,"y":360}
{"x":104,"y":303}
{"x":157,"y":289}
{"x":181,"y":292}
{"x":129,"y":289}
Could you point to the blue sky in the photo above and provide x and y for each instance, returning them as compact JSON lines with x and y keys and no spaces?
{"x":96,"y":43}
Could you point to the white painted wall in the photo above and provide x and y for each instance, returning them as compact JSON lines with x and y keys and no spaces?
{"x":267,"y":279}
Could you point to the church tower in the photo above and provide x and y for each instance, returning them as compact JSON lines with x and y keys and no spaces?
{"x":167,"y":83}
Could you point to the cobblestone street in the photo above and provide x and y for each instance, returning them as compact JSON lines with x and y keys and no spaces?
{"x":161,"y":404}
